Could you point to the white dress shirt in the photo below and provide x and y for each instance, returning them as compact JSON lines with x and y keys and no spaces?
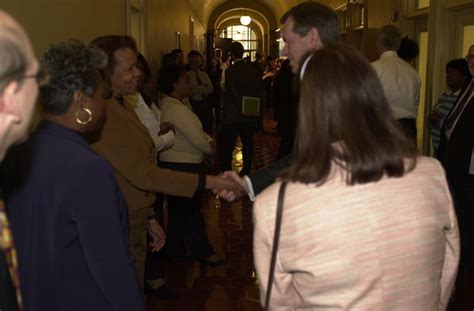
{"x":202,"y":89}
{"x":401,"y":84}
{"x":150,"y":118}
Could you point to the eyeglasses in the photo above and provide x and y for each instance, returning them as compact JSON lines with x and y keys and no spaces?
{"x":41,"y":77}
{"x":469,"y":57}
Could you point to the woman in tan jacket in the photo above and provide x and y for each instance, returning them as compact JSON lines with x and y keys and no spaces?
{"x":367,"y":224}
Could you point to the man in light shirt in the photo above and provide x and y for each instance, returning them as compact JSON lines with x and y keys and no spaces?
{"x":202,"y":86}
{"x":399,"y":79}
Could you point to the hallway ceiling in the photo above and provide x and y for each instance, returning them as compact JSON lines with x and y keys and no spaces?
{"x":278,"y":7}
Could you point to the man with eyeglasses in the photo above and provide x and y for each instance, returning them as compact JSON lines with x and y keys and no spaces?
{"x":456,"y":153}
{"x":18,"y":91}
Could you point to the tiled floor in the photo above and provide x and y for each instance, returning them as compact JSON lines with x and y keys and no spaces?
{"x":229,"y":227}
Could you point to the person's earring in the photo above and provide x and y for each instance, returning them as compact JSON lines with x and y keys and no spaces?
{"x":89,"y":119}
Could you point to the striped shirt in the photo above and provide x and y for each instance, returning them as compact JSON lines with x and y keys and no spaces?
{"x":443,"y":106}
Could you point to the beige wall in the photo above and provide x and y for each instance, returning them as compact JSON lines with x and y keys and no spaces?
{"x":164,"y":19}
{"x":50,"y":21}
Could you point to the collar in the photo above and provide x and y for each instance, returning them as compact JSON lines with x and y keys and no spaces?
{"x":55,"y":129}
{"x":388,"y":54}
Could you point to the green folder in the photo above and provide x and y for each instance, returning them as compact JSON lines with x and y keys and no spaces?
{"x":250,"y":106}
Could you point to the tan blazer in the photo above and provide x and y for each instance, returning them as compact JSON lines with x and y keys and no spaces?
{"x":389,"y":245}
{"x":126,"y":144}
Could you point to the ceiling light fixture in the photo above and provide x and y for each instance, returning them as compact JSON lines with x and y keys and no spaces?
{"x":245,"y":20}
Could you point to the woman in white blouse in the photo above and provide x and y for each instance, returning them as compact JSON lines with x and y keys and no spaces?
{"x":185,"y":221}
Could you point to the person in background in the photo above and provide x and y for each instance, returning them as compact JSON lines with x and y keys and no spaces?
{"x":202,"y":87}
{"x":267,"y":77}
{"x":258,"y":63}
{"x":72,"y":248}
{"x":178,"y":55}
{"x":457,"y":78}
{"x":408,"y":50}
{"x":225,"y":63}
{"x":214,"y":72}
{"x":456,"y":153}
{"x":285,"y":105}
{"x":167,"y":59}
{"x":241,"y":80}
{"x":343,"y":244}
{"x":20,"y":76}
{"x":185,"y":220}
{"x":400,"y":80}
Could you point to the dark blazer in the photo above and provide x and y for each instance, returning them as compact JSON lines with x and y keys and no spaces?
{"x":455,"y":153}
{"x":265,"y":177}
{"x":69,"y":220}
{"x":241,"y":79}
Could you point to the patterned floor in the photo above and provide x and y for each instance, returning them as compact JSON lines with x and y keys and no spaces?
{"x":229,"y":227}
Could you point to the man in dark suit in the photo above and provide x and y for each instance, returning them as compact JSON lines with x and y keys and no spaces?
{"x":242,"y":79}
{"x":306,"y":27}
{"x":456,"y":153}
{"x":18,"y":92}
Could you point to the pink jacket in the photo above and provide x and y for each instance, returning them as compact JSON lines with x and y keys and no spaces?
{"x":389,"y":245}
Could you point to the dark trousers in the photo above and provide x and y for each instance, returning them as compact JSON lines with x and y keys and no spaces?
{"x":227,"y":138}
{"x":204,"y":112}
{"x":154,"y":262}
{"x":463,"y":196}
{"x":214,"y":101}
{"x":185,"y":220}
{"x":409,"y":127}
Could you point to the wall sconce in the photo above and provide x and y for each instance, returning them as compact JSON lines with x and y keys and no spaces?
{"x":178,"y":40}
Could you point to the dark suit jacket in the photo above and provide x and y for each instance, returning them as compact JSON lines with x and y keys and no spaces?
{"x":70,"y":222}
{"x":265,"y":177}
{"x":241,"y":79}
{"x":455,"y":153}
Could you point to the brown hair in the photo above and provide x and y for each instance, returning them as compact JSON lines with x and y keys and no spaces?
{"x":111,"y":43}
{"x":344,"y":118}
{"x":309,"y":15}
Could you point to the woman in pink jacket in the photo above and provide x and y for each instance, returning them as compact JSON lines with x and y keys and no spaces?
{"x":367,"y":224}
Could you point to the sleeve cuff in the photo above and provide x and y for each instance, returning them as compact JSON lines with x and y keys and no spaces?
{"x":167,"y":140}
{"x":251,"y":193}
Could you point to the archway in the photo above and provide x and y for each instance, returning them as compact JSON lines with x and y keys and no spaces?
{"x":263,"y":23}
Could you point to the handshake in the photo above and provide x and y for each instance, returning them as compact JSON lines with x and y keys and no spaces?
{"x":228,"y":186}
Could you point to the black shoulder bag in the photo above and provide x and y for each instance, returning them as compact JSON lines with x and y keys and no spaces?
{"x":276,"y":239}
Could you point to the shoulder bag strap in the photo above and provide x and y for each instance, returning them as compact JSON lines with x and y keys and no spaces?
{"x":276,"y":239}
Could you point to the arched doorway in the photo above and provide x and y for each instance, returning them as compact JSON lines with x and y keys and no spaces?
{"x":259,"y":35}
{"x":244,"y":35}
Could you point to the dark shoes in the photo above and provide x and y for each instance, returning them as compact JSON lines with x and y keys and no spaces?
{"x":163,"y":292}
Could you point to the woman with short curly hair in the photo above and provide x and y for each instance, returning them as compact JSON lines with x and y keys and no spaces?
{"x":67,"y":213}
